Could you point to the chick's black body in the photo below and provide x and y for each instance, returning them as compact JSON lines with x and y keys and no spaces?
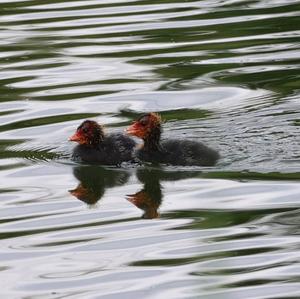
{"x":113,"y":150}
{"x":97,"y":148}
{"x":179,"y":152}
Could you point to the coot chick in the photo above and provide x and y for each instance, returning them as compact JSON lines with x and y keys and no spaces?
{"x":97,"y":147}
{"x":172,"y":152}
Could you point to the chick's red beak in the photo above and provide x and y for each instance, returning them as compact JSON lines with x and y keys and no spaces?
{"x":135,"y":129}
{"x":77,"y":137}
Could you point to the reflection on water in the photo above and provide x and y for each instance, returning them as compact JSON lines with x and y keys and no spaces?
{"x":149,"y":198}
{"x":225,"y":73}
{"x":94,"y":180}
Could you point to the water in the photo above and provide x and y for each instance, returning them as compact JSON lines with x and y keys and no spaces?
{"x":223,"y":72}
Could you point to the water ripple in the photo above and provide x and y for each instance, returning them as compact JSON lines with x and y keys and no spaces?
{"x":223,"y":72}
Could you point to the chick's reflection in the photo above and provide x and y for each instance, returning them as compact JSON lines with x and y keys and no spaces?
{"x":150,"y":197}
{"x":94,"y":180}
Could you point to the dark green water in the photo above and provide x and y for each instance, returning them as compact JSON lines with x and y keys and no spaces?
{"x":226,"y":72}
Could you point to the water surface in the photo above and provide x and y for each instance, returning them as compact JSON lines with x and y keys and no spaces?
{"x":223,"y":72}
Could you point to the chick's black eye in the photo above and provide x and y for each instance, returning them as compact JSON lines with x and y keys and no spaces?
{"x":144,"y":121}
{"x":85,"y":130}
